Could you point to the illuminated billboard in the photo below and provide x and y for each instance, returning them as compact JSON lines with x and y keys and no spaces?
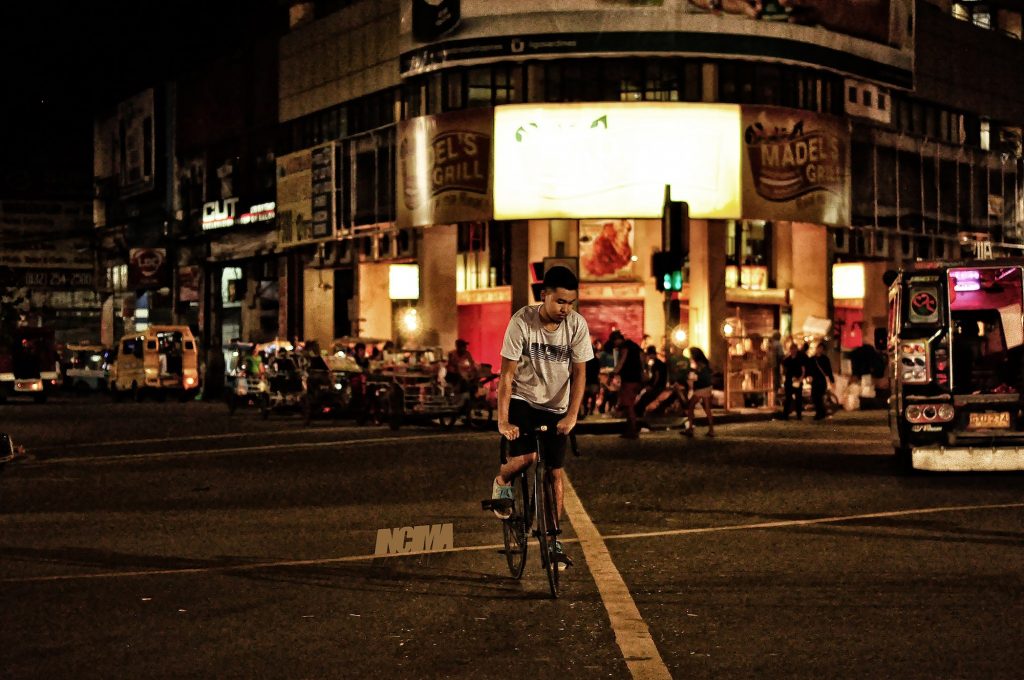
{"x":614,"y":159}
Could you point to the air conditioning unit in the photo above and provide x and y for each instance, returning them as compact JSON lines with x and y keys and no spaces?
{"x":876,"y":244}
{"x":839,"y":241}
{"x":386,"y":246}
{"x":345,"y":251}
{"x":405,"y":243}
{"x":867,"y":100}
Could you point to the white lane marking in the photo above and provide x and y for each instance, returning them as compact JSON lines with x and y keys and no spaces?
{"x":631,"y":633}
{"x":822,"y":441}
{"x":471,"y":548}
{"x":201,"y":437}
{"x":816,"y":520}
{"x":284,"y":447}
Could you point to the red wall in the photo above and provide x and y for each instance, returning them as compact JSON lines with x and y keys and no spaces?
{"x":483,"y":326}
{"x":605,"y":315}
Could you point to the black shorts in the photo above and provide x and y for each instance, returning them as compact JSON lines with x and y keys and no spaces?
{"x":528,"y":418}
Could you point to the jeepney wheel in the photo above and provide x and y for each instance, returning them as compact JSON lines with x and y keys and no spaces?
{"x":393,"y":407}
{"x":447,"y":420}
{"x":136,"y":392}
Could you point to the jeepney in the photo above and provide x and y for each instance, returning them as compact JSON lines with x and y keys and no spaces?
{"x":956,"y":344}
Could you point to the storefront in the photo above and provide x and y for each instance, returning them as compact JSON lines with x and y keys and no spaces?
{"x":584,"y":184}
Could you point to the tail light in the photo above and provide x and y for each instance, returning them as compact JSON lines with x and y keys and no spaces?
{"x":930,"y":413}
{"x":914,"y":362}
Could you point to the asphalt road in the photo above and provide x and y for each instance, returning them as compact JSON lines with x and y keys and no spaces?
{"x":170,"y":540}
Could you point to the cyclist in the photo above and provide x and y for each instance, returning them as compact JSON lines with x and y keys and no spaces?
{"x":543,"y":376}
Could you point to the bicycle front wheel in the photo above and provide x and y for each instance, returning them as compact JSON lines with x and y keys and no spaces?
{"x":544,"y":501}
{"x":516,"y":528}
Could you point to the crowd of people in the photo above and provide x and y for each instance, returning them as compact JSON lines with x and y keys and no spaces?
{"x":624,"y":379}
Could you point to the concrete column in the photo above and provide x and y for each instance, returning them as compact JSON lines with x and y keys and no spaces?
{"x":375,"y":308}
{"x":438,"y":307}
{"x":529,"y":244}
{"x":708,"y":308}
{"x":318,"y":306}
{"x":876,"y":299}
{"x":811,"y":276}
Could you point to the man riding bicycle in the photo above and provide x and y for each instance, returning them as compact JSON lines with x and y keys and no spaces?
{"x":543,"y":377}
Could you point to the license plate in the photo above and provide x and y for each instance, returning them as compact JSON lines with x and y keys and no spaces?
{"x":989,"y":421}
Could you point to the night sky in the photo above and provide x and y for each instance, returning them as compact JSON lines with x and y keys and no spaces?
{"x":64,"y":61}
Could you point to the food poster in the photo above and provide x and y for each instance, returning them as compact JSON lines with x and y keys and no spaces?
{"x":607,"y":250}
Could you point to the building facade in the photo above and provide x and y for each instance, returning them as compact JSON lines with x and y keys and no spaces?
{"x":431,"y":158}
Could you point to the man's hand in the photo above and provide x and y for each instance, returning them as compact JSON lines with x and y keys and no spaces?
{"x":508,"y":430}
{"x":566,"y":424}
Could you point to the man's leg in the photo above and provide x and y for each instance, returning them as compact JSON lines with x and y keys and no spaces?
{"x":627,"y":399}
{"x":556,"y":483}
{"x":513,"y":465}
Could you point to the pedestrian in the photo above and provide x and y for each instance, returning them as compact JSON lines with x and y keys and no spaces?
{"x":461,"y":370}
{"x":794,"y":366}
{"x":593,"y":380}
{"x":700,"y":390}
{"x":629,"y":369}
{"x":657,"y":380}
{"x":820,"y":370}
{"x":213,"y":382}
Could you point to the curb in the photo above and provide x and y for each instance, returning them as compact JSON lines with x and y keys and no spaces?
{"x":617,"y":425}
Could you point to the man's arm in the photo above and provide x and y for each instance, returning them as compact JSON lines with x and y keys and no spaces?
{"x":508,"y":371}
{"x":622,"y":360}
{"x":577,"y":386}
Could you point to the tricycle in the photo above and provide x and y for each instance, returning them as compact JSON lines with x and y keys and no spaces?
{"x":412,"y":388}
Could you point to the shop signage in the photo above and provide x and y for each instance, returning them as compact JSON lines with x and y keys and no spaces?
{"x":70,"y":255}
{"x":614,"y":160}
{"x":322,"y":191}
{"x":444,"y":165}
{"x":56,"y":279}
{"x":796,"y":166}
{"x":147,"y":268}
{"x":294,"y":202}
{"x":220,"y":214}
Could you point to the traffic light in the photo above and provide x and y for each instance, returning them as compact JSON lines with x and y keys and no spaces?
{"x":667,"y":271}
{"x":675,"y":228}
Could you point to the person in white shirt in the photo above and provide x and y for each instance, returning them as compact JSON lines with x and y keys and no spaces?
{"x":542,"y":382}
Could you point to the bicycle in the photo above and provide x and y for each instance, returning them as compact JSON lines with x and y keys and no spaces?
{"x":529,"y":498}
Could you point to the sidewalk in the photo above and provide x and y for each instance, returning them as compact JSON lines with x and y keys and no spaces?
{"x":601,"y":424}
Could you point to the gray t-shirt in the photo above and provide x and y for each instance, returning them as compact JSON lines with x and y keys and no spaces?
{"x":545,"y":357}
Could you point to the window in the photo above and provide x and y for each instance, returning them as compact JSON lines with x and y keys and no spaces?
{"x":851,"y":94}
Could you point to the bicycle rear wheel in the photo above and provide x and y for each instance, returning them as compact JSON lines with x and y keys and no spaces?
{"x":545,"y":529}
{"x":516,"y":528}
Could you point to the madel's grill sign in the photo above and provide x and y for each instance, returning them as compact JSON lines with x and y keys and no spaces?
{"x":796,"y":166}
{"x":147,"y":268}
{"x":444,"y":168}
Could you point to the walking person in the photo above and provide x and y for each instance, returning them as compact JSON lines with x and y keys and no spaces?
{"x":593,"y":388}
{"x":630,"y":371}
{"x":794,"y":368}
{"x":543,"y":375}
{"x":700,"y":391}
{"x":820,"y":370}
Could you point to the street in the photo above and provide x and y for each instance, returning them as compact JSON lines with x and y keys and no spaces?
{"x":168,"y":540}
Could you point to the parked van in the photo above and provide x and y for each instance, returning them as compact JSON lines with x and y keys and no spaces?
{"x":159,"y":360}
